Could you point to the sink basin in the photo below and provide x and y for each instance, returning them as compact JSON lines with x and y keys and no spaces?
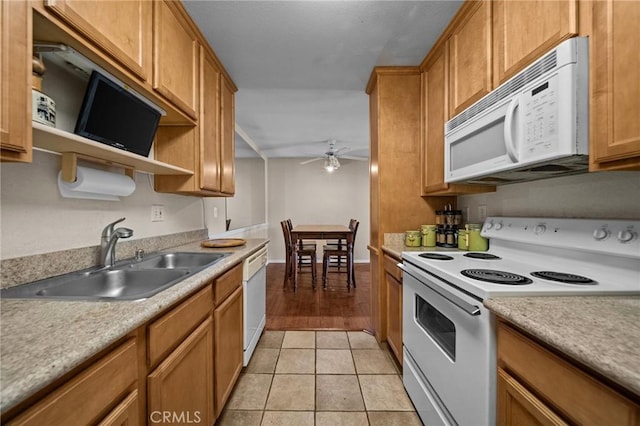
{"x":119,"y":284}
{"x":128,"y":280}
{"x":178,"y":260}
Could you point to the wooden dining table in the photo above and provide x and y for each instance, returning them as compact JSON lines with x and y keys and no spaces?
{"x":322,"y":232}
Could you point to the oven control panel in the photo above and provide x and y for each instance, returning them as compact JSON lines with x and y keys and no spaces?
{"x":617,"y":237}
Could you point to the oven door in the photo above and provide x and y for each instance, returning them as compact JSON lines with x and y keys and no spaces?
{"x":450,"y":337}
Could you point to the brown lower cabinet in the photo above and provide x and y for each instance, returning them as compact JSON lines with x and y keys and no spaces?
{"x":538,"y":387}
{"x":179,"y":368}
{"x":181,"y":387}
{"x":228,"y":346}
{"x":393,"y":280}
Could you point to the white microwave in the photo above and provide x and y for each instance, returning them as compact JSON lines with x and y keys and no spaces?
{"x":533,"y":126}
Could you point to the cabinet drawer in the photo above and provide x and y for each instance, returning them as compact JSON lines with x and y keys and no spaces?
{"x":167,"y":332}
{"x":578,"y":396}
{"x":391,"y":267}
{"x":125,"y":414}
{"x":87,"y":397}
{"x":227,"y":283}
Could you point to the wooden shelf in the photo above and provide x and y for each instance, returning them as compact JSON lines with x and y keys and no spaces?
{"x":57,"y":140}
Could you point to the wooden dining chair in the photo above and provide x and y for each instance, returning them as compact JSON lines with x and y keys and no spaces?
{"x":334,"y":255}
{"x":338,"y":261}
{"x":306,"y":255}
{"x":302,"y":245}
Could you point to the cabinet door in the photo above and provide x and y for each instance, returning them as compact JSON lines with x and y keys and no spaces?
{"x":470,"y":58}
{"x":393,"y":278}
{"x":15,"y":80}
{"x":210,"y":123}
{"x":615,"y":83}
{"x":228,"y":349}
{"x":182,"y":385}
{"x":121,"y":28}
{"x":175,"y":57}
{"x":227,"y":178}
{"x":518,"y":406}
{"x":434,"y":103}
{"x":524,"y":30}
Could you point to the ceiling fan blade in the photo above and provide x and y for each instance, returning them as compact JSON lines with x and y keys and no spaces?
{"x":343,"y":149}
{"x":311,"y":161}
{"x":343,"y":157}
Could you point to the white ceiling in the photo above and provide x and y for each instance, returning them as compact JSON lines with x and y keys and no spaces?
{"x":301,"y":67}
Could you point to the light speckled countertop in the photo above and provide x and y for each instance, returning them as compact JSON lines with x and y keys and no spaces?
{"x":602,"y":333}
{"x":42,"y":340}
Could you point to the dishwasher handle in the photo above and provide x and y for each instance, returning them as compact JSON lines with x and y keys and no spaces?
{"x":254,"y":263}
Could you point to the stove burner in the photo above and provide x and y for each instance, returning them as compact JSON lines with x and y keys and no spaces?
{"x":563,"y":277}
{"x":435,"y":256}
{"x":483,"y":256}
{"x":496,"y":277}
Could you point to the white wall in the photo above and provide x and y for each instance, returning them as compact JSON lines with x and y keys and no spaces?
{"x":610,"y":195}
{"x":35,"y":219}
{"x":247,"y":206}
{"x":307,"y":194}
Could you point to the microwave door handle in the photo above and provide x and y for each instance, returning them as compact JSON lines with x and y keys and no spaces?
{"x":509,"y":130}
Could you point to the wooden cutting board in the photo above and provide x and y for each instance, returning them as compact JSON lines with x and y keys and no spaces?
{"x":223,"y":242}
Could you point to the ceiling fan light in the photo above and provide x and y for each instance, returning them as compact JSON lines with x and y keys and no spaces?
{"x":331,"y":163}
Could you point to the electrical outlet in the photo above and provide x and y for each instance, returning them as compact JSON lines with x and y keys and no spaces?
{"x":157,"y":213}
{"x":215,"y":212}
{"x":482,"y":213}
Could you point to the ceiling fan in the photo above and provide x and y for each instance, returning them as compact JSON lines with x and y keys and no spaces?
{"x":330,"y":157}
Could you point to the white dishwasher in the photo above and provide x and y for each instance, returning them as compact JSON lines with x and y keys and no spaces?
{"x":254,"y":282}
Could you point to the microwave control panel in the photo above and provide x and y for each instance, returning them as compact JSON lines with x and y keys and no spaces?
{"x":539,"y":117}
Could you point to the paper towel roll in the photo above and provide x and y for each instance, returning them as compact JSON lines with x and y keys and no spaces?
{"x":96,"y":185}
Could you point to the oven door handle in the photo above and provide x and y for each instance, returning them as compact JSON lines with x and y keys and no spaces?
{"x":470,"y":309}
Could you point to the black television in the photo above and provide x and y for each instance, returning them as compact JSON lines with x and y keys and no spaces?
{"x":112,"y":115}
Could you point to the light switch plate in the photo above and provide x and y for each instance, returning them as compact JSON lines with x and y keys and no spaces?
{"x":157,"y":213}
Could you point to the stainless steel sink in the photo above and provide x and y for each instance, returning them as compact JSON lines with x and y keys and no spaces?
{"x":178,"y":260}
{"x":119,"y":284}
{"x":127,"y":280}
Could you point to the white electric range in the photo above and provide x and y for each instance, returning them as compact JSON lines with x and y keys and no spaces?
{"x":449,"y":336}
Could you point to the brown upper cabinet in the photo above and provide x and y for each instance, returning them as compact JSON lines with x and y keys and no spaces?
{"x":524,"y":30}
{"x":486,"y":43}
{"x":491,"y":41}
{"x":156,"y":49}
{"x":470,"y":64}
{"x":175,"y":56}
{"x":227,"y":133}
{"x":434,"y":106}
{"x":122,"y":29}
{"x":210,"y":122}
{"x":208,"y":148}
{"x":15,"y":81}
{"x":615,"y":86}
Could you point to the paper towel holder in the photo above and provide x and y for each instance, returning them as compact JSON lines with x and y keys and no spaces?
{"x":69,"y":166}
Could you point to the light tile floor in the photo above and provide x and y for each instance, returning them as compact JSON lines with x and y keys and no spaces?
{"x":321,"y":378}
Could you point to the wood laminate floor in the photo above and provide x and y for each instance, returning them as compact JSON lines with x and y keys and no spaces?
{"x":309,"y":309}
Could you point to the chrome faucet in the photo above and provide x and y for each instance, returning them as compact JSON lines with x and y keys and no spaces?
{"x":108,"y":242}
